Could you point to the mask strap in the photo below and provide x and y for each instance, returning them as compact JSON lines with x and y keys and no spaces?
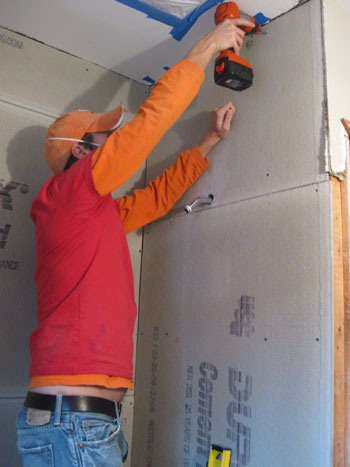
{"x":120,"y":121}
{"x":73,"y":139}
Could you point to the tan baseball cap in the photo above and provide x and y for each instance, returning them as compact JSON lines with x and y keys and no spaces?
{"x":71,"y":127}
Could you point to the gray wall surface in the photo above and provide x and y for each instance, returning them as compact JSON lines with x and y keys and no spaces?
{"x":336,"y":27}
{"x":38,"y":84}
{"x":235,"y":334}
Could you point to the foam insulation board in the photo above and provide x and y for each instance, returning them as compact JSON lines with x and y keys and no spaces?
{"x":234,"y":343}
{"x":277,"y":139}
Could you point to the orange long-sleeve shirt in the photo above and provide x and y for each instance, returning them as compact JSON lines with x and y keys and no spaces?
{"x":122,"y":155}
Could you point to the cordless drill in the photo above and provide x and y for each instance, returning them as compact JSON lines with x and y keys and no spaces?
{"x":232,"y":71}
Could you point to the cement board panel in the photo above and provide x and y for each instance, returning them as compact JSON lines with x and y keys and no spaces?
{"x":277,"y":140}
{"x":336,"y":25}
{"x":126,"y":421}
{"x":55,"y":82}
{"x":234,"y":343}
{"x":8,"y":413}
{"x":22,"y":171}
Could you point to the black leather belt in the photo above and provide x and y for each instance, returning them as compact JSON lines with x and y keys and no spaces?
{"x":35,"y":400}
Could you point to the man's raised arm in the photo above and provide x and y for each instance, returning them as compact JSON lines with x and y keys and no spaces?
{"x":126,"y":149}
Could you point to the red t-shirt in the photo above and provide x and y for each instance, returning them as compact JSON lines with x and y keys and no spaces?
{"x":86,"y":308}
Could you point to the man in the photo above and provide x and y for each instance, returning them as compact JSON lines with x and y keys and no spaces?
{"x":82,"y":347}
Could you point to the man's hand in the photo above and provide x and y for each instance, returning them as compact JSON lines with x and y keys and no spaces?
{"x":225,"y":35}
{"x":219,"y":127}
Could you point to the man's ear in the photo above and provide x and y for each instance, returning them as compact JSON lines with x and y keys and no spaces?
{"x":78,"y":151}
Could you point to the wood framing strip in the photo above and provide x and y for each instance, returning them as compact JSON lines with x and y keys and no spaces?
{"x":346,"y":124}
{"x":339,"y":326}
{"x":345,"y":223}
{"x":345,"y":187}
{"x":341,"y":286}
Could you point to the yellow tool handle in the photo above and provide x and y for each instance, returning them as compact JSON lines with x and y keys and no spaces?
{"x":219,"y":457}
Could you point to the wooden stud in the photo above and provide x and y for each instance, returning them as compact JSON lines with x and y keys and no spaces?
{"x":341,"y":293}
{"x":346,"y":265}
{"x":339,"y":325}
{"x":345,"y":187}
{"x":346,"y":124}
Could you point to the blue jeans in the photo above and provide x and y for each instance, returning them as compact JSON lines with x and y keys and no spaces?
{"x":69,"y":439}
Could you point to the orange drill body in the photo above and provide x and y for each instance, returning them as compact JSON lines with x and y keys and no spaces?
{"x":232,"y":71}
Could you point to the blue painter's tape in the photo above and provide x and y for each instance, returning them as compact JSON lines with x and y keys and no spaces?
{"x":179,"y":31}
{"x":180,"y":26}
{"x":152,"y":12}
{"x":148,"y":79}
{"x":261,"y":18}
{"x":166,"y":68}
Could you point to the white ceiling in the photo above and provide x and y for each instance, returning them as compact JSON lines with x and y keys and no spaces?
{"x":114,"y":35}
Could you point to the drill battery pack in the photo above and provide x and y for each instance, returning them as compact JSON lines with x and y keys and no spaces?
{"x":232,"y":71}
{"x":236,"y":74}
